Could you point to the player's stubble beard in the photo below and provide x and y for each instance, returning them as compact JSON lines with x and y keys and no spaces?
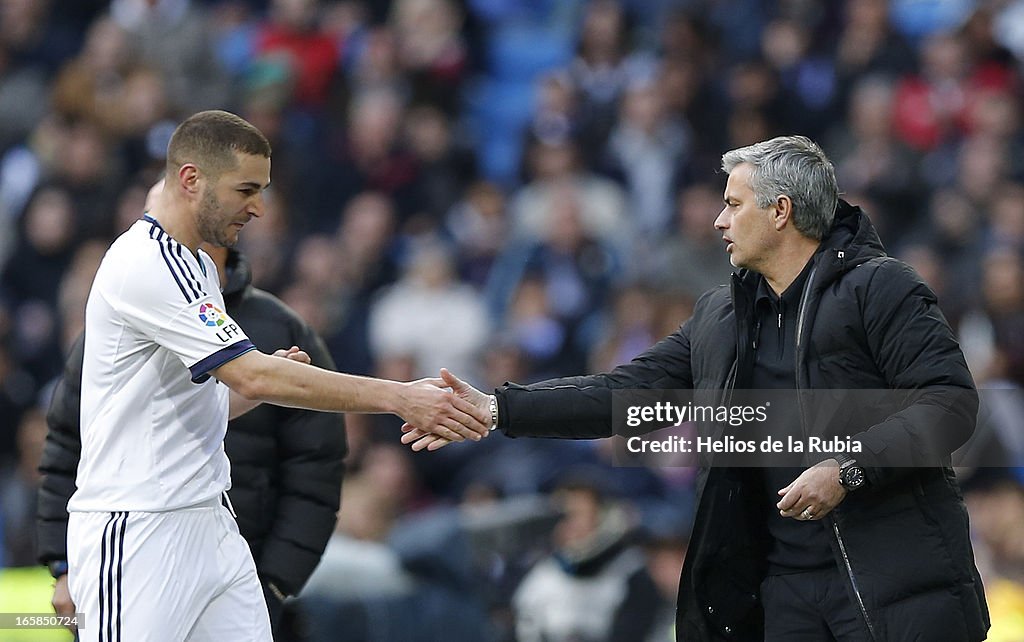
{"x":211,"y":221}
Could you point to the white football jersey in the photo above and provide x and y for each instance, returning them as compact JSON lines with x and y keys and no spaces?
{"x":153,"y":421}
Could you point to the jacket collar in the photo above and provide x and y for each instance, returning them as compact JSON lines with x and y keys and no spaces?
{"x":239,"y":276}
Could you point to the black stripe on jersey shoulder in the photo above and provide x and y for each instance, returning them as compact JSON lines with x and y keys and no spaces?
{"x":157,"y":234}
{"x":189,"y":270}
{"x":180,"y":264}
{"x":176,"y":263}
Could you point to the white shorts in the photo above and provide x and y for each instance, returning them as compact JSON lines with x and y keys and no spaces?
{"x":169,"y":577}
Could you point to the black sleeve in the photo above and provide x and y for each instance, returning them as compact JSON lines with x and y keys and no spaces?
{"x":311,"y":446}
{"x":581,"y":407}
{"x":59,"y":463}
{"x":916,"y":351}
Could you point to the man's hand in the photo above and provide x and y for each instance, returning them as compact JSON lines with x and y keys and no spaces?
{"x":421,"y":439}
{"x":814,"y":493}
{"x":435,"y":415}
{"x":295,"y":354}
{"x":62,"y":604}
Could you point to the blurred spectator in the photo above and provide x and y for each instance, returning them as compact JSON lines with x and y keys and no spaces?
{"x":383,"y":580}
{"x":1006,"y":220}
{"x":535,"y":331}
{"x":17,"y":392}
{"x":755,"y":103}
{"x":869,"y":159}
{"x":807,"y":79}
{"x":368,"y":155}
{"x":21,"y":169}
{"x":90,"y":86}
{"x":29,"y":283}
{"x":868,"y":46}
{"x":595,"y":586}
{"x":365,"y":258}
{"x":631,"y":329}
{"x":690,"y":97}
{"x":995,"y":499}
{"x":980,"y":37}
{"x":575,"y":270}
{"x":311,"y":56}
{"x":605,"y":64}
{"x":650,"y":149}
{"x":477,"y":225}
{"x":996,"y":116}
{"x":557,"y":114}
{"x":445,"y":168}
{"x":74,"y":291}
{"x":690,"y":259}
{"x":175,"y":36}
{"x":18,"y":486}
{"x":555,"y":168}
{"x":932,"y":106}
{"x":31,"y":48}
{"x":926,"y":262}
{"x":665,"y":554}
{"x":374,"y":63}
{"x":431,"y":49}
{"x":993,"y":342}
{"x":428,"y":316}
{"x":738,"y":25}
{"x":953,"y":229}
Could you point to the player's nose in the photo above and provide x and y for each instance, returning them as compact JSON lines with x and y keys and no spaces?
{"x":257,"y":206}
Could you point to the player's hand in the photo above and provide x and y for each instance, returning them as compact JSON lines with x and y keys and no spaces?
{"x":62,"y":604}
{"x":421,"y":439}
{"x":433,"y":409}
{"x":814,"y":493}
{"x":295,"y":354}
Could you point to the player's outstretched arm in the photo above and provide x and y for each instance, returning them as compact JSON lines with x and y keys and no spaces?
{"x":421,"y":439}
{"x":239,"y":405}
{"x":426,"y":404}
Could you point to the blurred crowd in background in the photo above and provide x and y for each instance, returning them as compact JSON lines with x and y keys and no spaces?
{"x":515,"y":190}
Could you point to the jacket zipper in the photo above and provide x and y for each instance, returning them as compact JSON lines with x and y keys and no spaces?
{"x":853,"y":580}
{"x":800,"y":315}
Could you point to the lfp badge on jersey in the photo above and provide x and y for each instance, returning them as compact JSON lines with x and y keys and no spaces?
{"x":211,"y":315}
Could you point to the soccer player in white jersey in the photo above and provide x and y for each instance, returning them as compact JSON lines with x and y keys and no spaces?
{"x":153,"y":554}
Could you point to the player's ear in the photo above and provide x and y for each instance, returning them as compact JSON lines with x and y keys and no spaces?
{"x":189,"y":177}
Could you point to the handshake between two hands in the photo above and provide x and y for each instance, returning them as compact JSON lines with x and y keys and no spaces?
{"x":462,"y":413}
{"x":437,"y":411}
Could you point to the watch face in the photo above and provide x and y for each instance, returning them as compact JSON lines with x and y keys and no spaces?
{"x":853,"y":477}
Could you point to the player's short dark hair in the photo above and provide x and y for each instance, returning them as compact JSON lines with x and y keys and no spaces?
{"x":210,"y":140}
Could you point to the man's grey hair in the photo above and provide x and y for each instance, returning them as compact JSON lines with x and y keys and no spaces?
{"x":796,"y":167}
